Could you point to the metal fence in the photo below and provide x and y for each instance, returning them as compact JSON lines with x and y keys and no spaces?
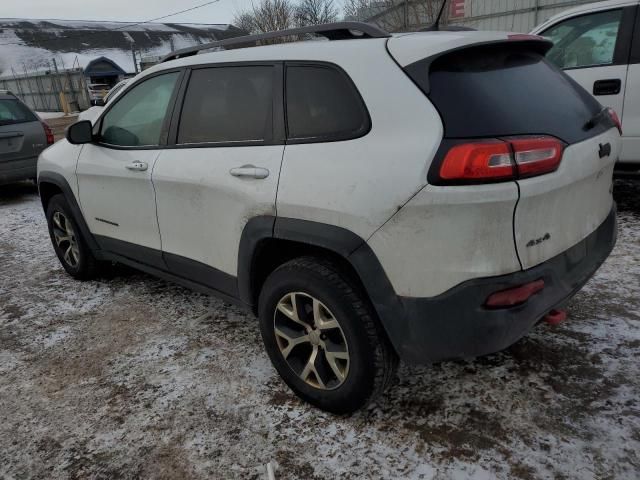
{"x":511,"y":15}
{"x":49,"y":91}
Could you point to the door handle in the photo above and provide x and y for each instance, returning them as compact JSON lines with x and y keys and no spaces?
{"x":138,"y":166}
{"x":249,"y":171}
{"x":610,"y":86}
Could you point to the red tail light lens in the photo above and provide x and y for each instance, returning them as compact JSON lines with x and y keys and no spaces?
{"x":616,"y":119}
{"x":514,"y":296}
{"x":495,"y":160}
{"x":487,"y":160}
{"x":49,"y":133}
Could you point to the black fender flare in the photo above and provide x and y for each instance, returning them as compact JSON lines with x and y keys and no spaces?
{"x":61,"y":182}
{"x":339,"y":240}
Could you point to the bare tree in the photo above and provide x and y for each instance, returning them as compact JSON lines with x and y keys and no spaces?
{"x":405,"y":15}
{"x":315,"y":12}
{"x":356,"y":10}
{"x":267,"y":16}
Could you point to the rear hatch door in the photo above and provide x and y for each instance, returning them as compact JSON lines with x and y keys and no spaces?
{"x":558,"y":210}
{"x":22,"y":136}
{"x":507,"y":90}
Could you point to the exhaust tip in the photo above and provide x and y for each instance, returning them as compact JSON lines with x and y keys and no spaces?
{"x":555,"y":317}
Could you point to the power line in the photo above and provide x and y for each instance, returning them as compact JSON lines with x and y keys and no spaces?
{"x":128,"y":25}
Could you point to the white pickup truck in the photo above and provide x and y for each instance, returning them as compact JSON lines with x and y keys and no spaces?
{"x":598,"y":45}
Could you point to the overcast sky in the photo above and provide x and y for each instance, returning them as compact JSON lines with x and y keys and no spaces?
{"x":123,"y":10}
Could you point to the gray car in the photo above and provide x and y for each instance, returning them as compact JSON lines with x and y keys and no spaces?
{"x":22,"y":137}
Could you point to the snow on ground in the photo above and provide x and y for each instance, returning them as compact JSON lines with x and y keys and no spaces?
{"x":130,"y":376}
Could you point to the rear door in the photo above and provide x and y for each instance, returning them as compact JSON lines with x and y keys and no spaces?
{"x":593,"y":49}
{"x":631,"y":112}
{"x":222,"y":170}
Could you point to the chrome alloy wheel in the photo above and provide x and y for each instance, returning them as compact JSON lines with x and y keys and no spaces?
{"x":65,"y":239}
{"x":311,"y":341}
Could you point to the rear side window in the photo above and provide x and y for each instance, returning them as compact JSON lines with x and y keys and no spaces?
{"x":228,"y":104}
{"x":13,"y":111}
{"x":323,"y":105}
{"x":501,"y":90}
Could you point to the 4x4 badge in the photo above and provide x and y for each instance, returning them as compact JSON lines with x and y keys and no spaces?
{"x":538,"y":241}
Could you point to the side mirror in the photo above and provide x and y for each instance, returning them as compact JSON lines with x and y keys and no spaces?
{"x":99,"y":102}
{"x":80,"y":133}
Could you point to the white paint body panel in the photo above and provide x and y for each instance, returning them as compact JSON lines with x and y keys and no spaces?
{"x":411,"y":47}
{"x":567,"y":204}
{"x":109,"y":191}
{"x":202,"y":208}
{"x":447,"y":235}
{"x":61,"y":158}
{"x":631,"y":117}
{"x":586,"y":77}
{"x":359,"y":184}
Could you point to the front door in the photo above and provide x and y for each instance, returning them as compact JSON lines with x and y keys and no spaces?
{"x":593,"y":49}
{"x":114,"y":172}
{"x":222,"y":172}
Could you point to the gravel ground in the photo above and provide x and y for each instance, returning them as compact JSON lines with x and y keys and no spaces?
{"x":133,"y":377}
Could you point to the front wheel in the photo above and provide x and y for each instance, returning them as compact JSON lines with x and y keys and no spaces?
{"x":70,"y":247}
{"x":323,"y":337}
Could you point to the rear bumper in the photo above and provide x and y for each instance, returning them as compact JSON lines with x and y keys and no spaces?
{"x":456,"y":325}
{"x":23,"y":169}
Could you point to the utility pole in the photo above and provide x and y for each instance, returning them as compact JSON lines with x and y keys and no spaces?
{"x":135,"y":61}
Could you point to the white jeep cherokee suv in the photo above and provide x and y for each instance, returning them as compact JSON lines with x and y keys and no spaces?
{"x":421,"y":197}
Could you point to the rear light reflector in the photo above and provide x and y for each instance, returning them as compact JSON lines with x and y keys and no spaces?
{"x":514,"y":296}
{"x":490,"y":159}
{"x":616,"y":119}
{"x":536,"y":156}
{"x":48,"y":132}
{"x":497,"y":160}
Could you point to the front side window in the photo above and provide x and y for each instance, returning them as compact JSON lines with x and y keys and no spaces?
{"x":322,"y":103}
{"x":585,"y":41}
{"x":228,"y":104}
{"x":137,"y":118}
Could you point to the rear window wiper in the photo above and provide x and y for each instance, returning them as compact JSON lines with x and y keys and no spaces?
{"x":596,"y":119}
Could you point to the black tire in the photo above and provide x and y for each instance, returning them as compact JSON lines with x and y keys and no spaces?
{"x":85,"y":266}
{"x":372,"y":361}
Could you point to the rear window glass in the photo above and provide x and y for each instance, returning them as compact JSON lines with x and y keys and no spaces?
{"x":502,"y":90}
{"x":228,"y":104}
{"x":323,"y":104}
{"x":14,"y":111}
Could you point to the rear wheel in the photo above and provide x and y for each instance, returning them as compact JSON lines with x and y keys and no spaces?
{"x":323,"y":337}
{"x":70,"y":247}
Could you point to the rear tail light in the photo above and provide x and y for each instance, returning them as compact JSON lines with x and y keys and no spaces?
{"x":48,"y":132}
{"x":514,"y":296}
{"x":616,"y":119}
{"x":490,"y":159}
{"x":536,"y":156}
{"x":497,"y":160}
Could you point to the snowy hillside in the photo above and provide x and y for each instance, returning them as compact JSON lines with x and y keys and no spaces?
{"x":32,"y":44}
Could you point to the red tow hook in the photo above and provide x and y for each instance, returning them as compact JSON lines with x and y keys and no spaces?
{"x":555,"y":317}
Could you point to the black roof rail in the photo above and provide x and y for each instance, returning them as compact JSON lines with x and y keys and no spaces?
{"x":332,"y":31}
